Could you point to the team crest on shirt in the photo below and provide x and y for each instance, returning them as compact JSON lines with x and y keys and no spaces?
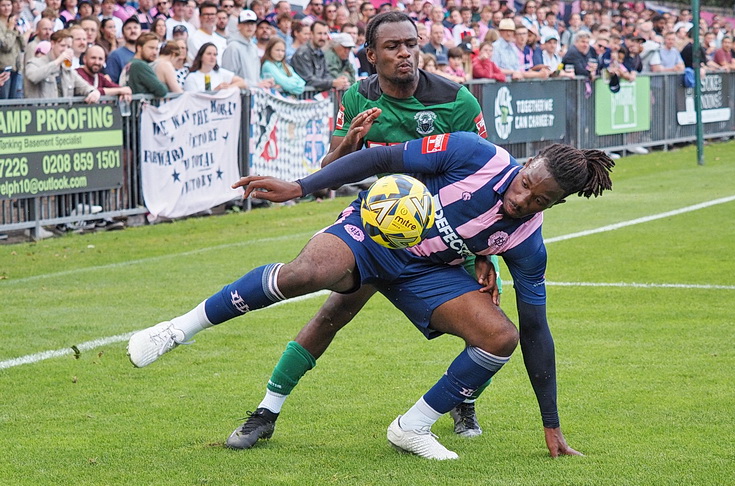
{"x":497,"y":241}
{"x":425,"y":122}
{"x":355,"y":232}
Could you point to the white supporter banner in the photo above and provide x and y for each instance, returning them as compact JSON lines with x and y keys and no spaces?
{"x":288,"y":138}
{"x":189,"y":153}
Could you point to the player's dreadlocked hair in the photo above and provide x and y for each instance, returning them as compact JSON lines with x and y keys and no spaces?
{"x":586,"y":172}
{"x":371,"y":33}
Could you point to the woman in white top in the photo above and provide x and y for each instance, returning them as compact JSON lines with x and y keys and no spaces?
{"x":206,"y":75}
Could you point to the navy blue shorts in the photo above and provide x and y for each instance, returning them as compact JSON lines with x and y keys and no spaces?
{"x":413,"y":284}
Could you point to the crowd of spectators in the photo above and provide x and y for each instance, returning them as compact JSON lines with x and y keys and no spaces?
{"x":91,"y":48}
{"x":94,"y":47}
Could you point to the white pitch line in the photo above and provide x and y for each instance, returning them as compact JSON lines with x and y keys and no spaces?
{"x":645,"y":219}
{"x":640,"y":285}
{"x":86,"y":346}
{"x":33,"y":358}
{"x":95,"y":343}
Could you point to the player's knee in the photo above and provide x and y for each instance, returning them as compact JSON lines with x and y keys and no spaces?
{"x":502,"y":341}
{"x":509,"y":339}
{"x":292,"y":277}
{"x":298,"y":277}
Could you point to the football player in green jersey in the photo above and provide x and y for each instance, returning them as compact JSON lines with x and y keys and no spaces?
{"x":397,"y":104}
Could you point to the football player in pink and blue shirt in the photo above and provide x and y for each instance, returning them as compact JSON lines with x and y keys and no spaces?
{"x":485,"y":204}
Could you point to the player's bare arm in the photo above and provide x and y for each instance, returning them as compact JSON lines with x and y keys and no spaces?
{"x":359,"y":127}
{"x":351,"y":168}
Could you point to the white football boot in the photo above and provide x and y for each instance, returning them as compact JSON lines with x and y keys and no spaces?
{"x":420,"y":442}
{"x":147,"y":345}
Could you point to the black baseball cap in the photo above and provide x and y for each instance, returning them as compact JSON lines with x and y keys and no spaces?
{"x":133,"y":19}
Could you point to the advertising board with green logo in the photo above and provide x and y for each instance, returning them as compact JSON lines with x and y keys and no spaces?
{"x":628,"y":110}
{"x":525,"y":112}
{"x":59,"y":149}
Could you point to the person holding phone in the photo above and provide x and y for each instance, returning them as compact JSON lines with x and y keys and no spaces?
{"x":12,"y":43}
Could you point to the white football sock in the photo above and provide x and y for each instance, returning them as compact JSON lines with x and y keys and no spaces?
{"x":192,"y":322}
{"x":273,"y":401}
{"x":420,"y":416}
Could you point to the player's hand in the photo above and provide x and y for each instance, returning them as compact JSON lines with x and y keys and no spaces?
{"x":359,"y":127}
{"x":268,"y":188}
{"x":487,"y":277}
{"x":557,"y":444}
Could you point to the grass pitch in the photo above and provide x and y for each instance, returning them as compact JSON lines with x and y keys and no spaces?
{"x":641,"y":316}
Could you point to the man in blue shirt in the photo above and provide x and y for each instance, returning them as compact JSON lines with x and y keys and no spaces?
{"x":505,"y":53}
{"x":118,"y":58}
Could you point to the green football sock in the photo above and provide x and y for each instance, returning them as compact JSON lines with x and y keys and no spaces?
{"x":496,"y":264}
{"x":294,"y":363}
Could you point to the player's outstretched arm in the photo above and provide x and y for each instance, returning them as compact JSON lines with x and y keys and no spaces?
{"x":557,"y":444}
{"x":352,"y":168}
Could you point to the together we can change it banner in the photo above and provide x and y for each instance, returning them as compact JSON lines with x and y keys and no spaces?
{"x":189,"y":155}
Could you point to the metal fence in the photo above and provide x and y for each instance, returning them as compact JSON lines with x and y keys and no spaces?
{"x":127,"y":200}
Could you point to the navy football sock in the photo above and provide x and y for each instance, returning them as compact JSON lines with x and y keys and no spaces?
{"x":255,"y":290}
{"x":468,"y":372}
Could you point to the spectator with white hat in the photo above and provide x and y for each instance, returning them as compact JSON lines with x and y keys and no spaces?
{"x":337,"y":56}
{"x":241,"y":56}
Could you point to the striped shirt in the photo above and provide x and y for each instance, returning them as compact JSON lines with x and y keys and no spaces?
{"x":468,"y":177}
